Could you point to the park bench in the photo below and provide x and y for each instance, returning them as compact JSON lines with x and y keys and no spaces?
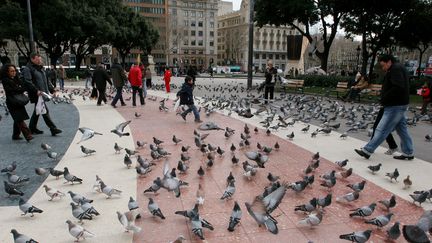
{"x":297,"y":85}
{"x":374,"y":90}
{"x":341,"y":87}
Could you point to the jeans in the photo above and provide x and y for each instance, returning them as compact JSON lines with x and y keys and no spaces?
{"x":144,"y":89}
{"x":118,"y":96}
{"x":61,"y":83}
{"x":392,"y":119}
{"x":389,"y":139}
{"x":88,"y":82}
{"x":194,"y":110}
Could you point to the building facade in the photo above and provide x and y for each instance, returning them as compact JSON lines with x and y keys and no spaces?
{"x":192,"y":34}
{"x":270,"y":42}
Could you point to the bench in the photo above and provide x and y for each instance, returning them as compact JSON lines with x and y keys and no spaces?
{"x":373,"y":90}
{"x":297,"y":85}
{"x":341,"y":87}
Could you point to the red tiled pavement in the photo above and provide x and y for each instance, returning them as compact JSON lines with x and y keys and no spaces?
{"x":287,"y":163}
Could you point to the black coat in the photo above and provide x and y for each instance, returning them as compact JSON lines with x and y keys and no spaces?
{"x":185,"y":94}
{"x":100,"y":78}
{"x":270,"y":77}
{"x":395,"y":88}
{"x":13,"y":87}
{"x":35,"y":79}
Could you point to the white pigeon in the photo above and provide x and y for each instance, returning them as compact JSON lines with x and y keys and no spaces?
{"x":127,"y":220}
{"x":119,"y":129}
{"x":87,"y":133}
{"x":53,"y":193}
{"x":77,"y":231}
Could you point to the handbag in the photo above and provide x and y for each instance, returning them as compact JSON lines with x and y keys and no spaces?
{"x":19,"y":99}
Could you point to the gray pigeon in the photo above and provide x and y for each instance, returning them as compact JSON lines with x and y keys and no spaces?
{"x":87,"y":133}
{"x":11,"y":189}
{"x":235,"y":218}
{"x":380,"y":221}
{"x":109,"y":191}
{"x":10,"y":168}
{"x":393,"y":175}
{"x":78,"y":232}
{"x":418,"y":233}
{"x":229,"y":191}
{"x":71,"y":178}
{"x":79,"y":213}
{"x":420,"y":197}
{"x":20,"y":238}
{"x":363,"y":211}
{"x":312,"y":219}
{"x":26,"y":208}
{"x":258,"y":212}
{"x":394,"y":232}
{"x":117,"y":148}
{"x":87,"y":207}
{"x":171,"y":183}
{"x":197,"y":226}
{"x":307,"y":207}
{"x":127,"y":219}
{"x":349,"y":197}
{"x":15,"y":179}
{"x":127,"y":161}
{"x":45,"y":146}
{"x":389,"y":203}
{"x":119,"y":129}
{"x":358,"y":237}
{"x":272,"y":200}
{"x":77,"y":198}
{"x":87,"y":151}
{"x":133,"y":205}
{"x":154,"y":209}
{"x":52,"y":155}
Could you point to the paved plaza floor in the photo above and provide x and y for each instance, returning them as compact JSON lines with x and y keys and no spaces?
{"x":150,"y":121}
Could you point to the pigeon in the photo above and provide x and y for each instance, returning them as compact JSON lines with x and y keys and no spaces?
{"x":233,"y":148}
{"x":141,"y":171}
{"x":200,"y":195}
{"x":78,"y":232}
{"x":157,"y":184}
{"x":290,"y":136}
{"x":235,"y":217}
{"x":220,"y":151}
{"x":77,"y":198}
{"x":308,"y":207}
{"x":428,"y":138}
{"x":420,"y":197}
{"x":342,"y":163}
{"x":133,"y":205}
{"x":87,"y":133}
{"x":70,"y":178}
{"x":345,"y":174}
{"x":389,"y":203}
{"x":127,"y":161}
{"x":185,"y":149}
{"x":120,"y":128}
{"x":41,"y":171}
{"x":229,"y":191}
{"x":380,"y":221}
{"x":358,"y":187}
{"x":394,"y":232}
{"x":363,"y":211}
{"x":201,"y":172}
{"x":276,"y":146}
{"x":258,"y":212}
{"x":176,"y":140}
{"x":45,"y":146}
{"x":53,"y":193}
{"x":179,"y":239}
{"x":313,"y":219}
{"x":393,"y":175}
{"x":11,"y":190}
{"x":87,"y":151}
{"x":87,"y":207}
{"x":117,"y":148}
{"x":157,"y":141}
{"x":197,"y":226}
{"x":141,"y":144}
{"x":234,"y":160}
{"x":374,"y":168}
{"x":79,"y":213}
{"x":154,"y":209}
{"x":305,"y":129}
{"x":329,"y":183}
{"x":109,"y":191}
{"x":407,"y":182}
{"x":170,"y":183}
{"x":52,"y":155}
{"x":343,"y":135}
{"x":131,"y":152}
{"x":349,"y":197}
{"x":249,"y":170}
{"x":191,"y":213}
{"x":298,"y":186}
{"x":16,"y":180}
{"x":127,"y":220}
{"x":418,"y":233}
{"x":324,"y":201}
{"x":10,"y":168}
{"x":26,"y":208}
{"x":358,"y":237}
{"x":56,"y":173}
{"x":20,"y":238}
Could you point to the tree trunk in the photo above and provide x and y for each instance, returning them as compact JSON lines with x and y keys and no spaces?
{"x":53,"y":58}
{"x":365,"y":54}
{"x":78,"y":60}
{"x":371,"y":67}
{"x":420,"y":61}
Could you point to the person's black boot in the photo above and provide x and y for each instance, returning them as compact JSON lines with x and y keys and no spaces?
{"x":55,"y":131}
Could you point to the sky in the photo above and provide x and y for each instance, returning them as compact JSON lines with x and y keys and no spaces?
{"x":236,"y":4}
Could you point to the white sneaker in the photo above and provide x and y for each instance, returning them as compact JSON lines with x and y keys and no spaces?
{"x":390,"y":151}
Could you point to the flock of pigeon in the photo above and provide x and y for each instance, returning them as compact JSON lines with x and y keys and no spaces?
{"x":261,"y":207}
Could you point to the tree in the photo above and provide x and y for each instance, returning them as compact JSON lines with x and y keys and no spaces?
{"x":414,"y":33}
{"x":234,"y":44}
{"x":377,"y":22}
{"x":302,"y":15}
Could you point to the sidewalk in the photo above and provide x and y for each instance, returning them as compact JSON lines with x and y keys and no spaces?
{"x":288,"y":163}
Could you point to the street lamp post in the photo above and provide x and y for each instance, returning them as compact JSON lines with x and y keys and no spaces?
{"x":30,"y":26}
{"x":358,"y":56}
{"x":250,"y":46}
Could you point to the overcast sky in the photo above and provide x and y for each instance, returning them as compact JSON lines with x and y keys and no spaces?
{"x":236,"y":4}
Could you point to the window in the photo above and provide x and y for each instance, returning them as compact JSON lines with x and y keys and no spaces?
{"x":200,"y":24}
{"x":174,"y":11}
{"x":192,"y":5}
{"x":270,"y":56}
{"x":193,"y":43}
{"x":185,"y":13}
{"x":200,"y":14}
{"x":211,"y":43}
{"x":186,"y":23}
{"x":211,"y":24}
{"x":193,"y":14}
{"x":193,"y":32}
{"x":200,"y":42}
{"x":283,"y":57}
{"x":186,"y":52}
{"x":186,"y":43}
{"x":200,"y":5}
{"x":200,"y":33}
{"x":256,"y":56}
{"x":211,"y":33}
{"x":174,"y":3}
{"x":193,"y":23}
{"x":212,"y":14}
{"x":277,"y":56}
{"x":264,"y":56}
{"x":186,"y":32}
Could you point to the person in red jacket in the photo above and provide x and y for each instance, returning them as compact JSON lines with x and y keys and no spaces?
{"x":425,"y":93}
{"x":135,"y":79}
{"x":167,"y":78}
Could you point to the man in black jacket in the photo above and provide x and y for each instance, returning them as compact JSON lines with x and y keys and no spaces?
{"x":100,"y":78}
{"x":36,"y":83}
{"x":186,"y":98}
{"x":270,"y":81}
{"x":119,"y":77}
{"x":395,"y":100}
